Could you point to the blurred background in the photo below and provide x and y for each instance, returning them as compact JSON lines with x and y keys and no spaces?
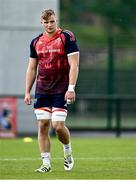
{"x":106,"y":87}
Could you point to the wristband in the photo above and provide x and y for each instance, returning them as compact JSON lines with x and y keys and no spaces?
{"x":71,"y":88}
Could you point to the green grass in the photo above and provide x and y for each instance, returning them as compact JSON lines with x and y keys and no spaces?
{"x":95,"y":158}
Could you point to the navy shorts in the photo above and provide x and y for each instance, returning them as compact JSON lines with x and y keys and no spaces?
{"x":51,"y":100}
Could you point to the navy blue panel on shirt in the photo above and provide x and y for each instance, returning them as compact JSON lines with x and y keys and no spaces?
{"x":33,"y":53}
{"x":70,"y":42}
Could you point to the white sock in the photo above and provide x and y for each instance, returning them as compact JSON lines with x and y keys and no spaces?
{"x":46,"y":158}
{"x":67,"y":148}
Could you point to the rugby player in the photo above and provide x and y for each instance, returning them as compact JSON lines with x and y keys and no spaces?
{"x":53,"y":64}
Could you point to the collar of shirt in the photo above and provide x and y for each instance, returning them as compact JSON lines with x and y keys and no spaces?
{"x":57,"y":34}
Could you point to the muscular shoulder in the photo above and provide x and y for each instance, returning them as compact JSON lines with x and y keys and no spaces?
{"x":69,"y":35}
{"x":33,"y":53}
{"x":34,"y":40}
{"x":70,"y":42}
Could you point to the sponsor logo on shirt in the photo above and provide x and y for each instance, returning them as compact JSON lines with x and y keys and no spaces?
{"x":49,"y":51}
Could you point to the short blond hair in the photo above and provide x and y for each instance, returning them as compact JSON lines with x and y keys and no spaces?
{"x":47,"y":13}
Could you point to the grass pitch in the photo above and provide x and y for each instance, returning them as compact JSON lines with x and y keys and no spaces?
{"x":95,"y":158}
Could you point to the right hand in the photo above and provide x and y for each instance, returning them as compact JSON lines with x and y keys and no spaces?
{"x":28,"y":99}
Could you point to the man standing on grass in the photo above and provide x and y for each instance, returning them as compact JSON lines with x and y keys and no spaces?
{"x":53,"y":62}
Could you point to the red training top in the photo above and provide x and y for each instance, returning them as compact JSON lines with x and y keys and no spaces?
{"x":53,"y":68}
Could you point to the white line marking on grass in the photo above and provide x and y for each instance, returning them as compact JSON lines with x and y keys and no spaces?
{"x":76,"y":158}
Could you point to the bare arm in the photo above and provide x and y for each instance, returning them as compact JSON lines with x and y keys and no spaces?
{"x":73,"y":75}
{"x":30,"y":78}
{"x":74,"y":67}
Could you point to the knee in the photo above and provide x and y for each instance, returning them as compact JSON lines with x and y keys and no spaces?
{"x":58,"y":127}
{"x":43,"y":127}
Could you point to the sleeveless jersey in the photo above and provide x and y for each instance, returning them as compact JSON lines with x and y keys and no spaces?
{"x":53,"y":68}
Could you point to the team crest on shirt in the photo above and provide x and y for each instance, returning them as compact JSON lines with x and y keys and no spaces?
{"x":58,"y":40}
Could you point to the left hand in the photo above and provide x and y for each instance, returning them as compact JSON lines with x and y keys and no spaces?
{"x":70,"y":96}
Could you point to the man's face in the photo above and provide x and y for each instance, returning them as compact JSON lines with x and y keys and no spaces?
{"x":50,"y":25}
